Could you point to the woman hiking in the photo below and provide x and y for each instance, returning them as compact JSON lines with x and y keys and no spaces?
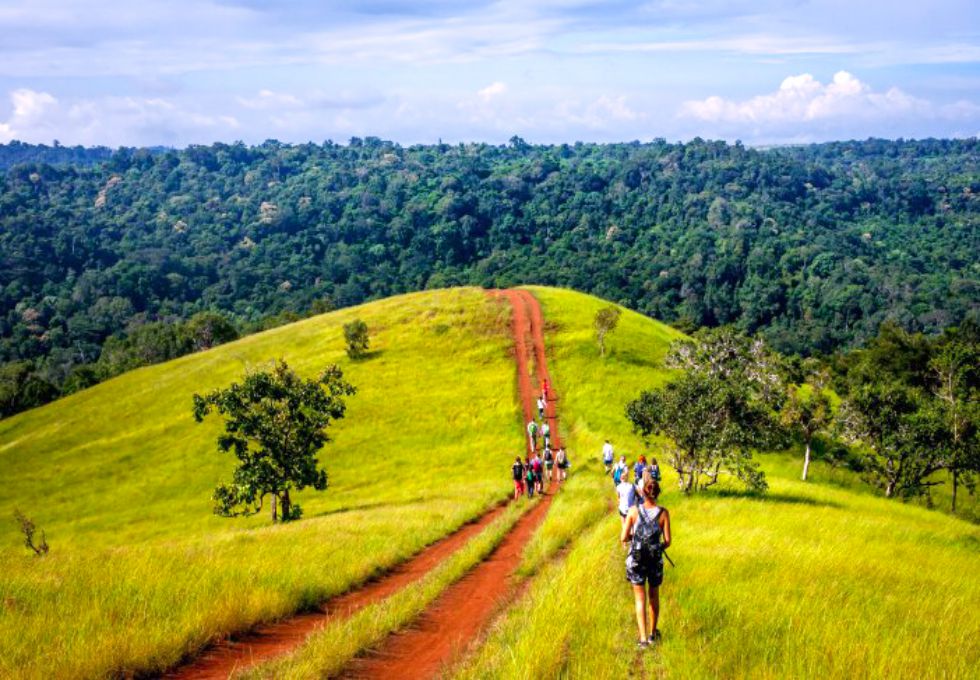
{"x":646,"y":533}
{"x":517,"y":472}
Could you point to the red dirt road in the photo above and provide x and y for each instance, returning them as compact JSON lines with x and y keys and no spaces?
{"x":461,"y":613}
{"x":458,"y":617}
{"x":271,"y":640}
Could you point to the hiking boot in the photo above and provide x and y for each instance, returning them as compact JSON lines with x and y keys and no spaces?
{"x":654,"y":637}
{"x":642,"y":644}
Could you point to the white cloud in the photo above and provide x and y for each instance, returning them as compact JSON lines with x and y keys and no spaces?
{"x":29,"y":110}
{"x":267,"y":99}
{"x":114,"y":121}
{"x":803,"y":99}
{"x":493,"y":90}
{"x":599,"y":113}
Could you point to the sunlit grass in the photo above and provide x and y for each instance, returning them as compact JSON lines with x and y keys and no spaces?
{"x":811,"y":580}
{"x":120,"y":477}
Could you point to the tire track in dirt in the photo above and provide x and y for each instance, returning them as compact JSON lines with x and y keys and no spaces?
{"x":484,"y":588}
{"x":462,"y":612}
{"x":270,"y":640}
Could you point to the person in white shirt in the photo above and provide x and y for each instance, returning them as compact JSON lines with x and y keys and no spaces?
{"x":607,"y":456}
{"x":627,"y":496}
{"x":541,"y":407}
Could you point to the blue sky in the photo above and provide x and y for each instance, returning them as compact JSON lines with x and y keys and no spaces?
{"x":177,"y":72}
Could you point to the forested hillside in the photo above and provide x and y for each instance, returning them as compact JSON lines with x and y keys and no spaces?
{"x":812,"y":246}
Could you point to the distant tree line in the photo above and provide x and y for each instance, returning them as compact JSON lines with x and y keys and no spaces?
{"x":812,"y":247}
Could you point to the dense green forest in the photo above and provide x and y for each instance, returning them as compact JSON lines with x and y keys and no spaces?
{"x":811,"y":246}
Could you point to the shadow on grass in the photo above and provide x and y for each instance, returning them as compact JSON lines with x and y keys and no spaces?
{"x":786,"y":498}
{"x":371,"y":506}
{"x":368,"y":356}
{"x":636,"y":360}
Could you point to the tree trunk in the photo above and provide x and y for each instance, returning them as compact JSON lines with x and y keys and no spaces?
{"x":274,"y":499}
{"x":285,"y":505}
{"x":889,"y":488}
{"x":806,"y":461}
{"x":955,"y":484}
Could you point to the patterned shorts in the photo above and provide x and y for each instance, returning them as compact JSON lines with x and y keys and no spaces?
{"x":639,"y":572}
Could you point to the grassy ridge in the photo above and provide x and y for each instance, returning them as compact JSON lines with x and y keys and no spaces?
{"x":120,"y":478}
{"x":809,"y":581}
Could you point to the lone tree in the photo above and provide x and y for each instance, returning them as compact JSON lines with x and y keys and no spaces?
{"x":806,"y":413}
{"x":606,"y":320}
{"x":275,"y":424}
{"x":29,"y":529}
{"x":717,"y":411}
{"x":356,"y":335}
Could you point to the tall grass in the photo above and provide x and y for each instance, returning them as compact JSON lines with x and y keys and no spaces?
{"x":120,"y":476}
{"x":811,"y":580}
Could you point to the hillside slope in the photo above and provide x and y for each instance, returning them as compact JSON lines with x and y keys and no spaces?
{"x":807,"y":581}
{"x":120,"y":478}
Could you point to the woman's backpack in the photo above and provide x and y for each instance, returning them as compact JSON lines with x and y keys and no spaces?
{"x":646,"y":548}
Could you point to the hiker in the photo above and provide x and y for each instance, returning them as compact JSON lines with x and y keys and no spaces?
{"x":561,"y":460}
{"x":646,"y":533}
{"x":607,"y":456}
{"x":627,"y":495}
{"x":536,"y":468}
{"x":654,"y":468}
{"x":517,"y":471}
{"x":638,"y":467}
{"x":529,"y":478}
{"x":545,"y":389}
{"x":532,"y":434}
{"x":549,"y":462}
{"x":541,"y":407}
{"x":546,"y":433}
{"x":619,"y":470}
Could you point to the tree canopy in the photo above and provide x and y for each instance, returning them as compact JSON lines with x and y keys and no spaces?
{"x":275,"y":424}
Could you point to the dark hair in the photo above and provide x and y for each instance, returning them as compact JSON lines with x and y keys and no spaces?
{"x":651,"y":489}
{"x":517,"y":460}
{"x":653,"y":461}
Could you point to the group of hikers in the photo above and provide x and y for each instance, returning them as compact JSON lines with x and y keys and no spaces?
{"x":645,"y":525}
{"x":645,"y":534}
{"x":531,"y":473}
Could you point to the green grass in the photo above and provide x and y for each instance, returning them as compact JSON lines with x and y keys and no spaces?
{"x":812,"y":580}
{"x":120,"y":476}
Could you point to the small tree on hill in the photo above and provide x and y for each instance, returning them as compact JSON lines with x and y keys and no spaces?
{"x":356,"y":335}
{"x":717,"y":412}
{"x":275,"y":424}
{"x":29,"y":529}
{"x":807,"y":412}
{"x":605,"y":322}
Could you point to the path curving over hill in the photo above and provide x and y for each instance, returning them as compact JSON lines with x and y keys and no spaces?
{"x":449,"y":624}
{"x":462,"y":612}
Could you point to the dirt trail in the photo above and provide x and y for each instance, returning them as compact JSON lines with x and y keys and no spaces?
{"x":462,"y":612}
{"x":270,"y":640}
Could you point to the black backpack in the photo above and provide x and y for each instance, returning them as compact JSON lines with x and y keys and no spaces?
{"x":518,"y":471}
{"x":646,"y":548}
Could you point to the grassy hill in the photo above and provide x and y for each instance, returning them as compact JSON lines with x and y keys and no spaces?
{"x":811,"y":580}
{"x":120,"y":477}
